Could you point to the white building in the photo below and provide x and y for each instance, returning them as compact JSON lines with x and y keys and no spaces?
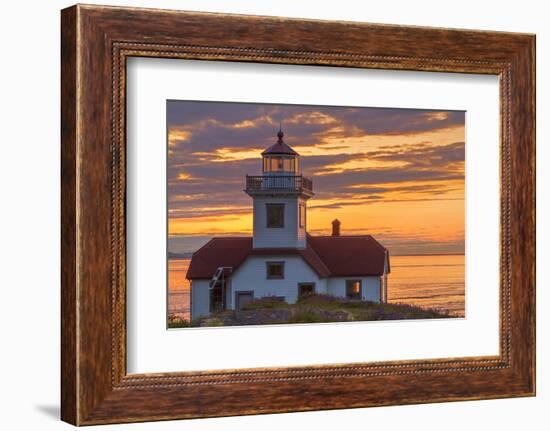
{"x":281,"y":259}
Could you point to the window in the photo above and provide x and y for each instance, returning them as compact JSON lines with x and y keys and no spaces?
{"x":275,"y":270}
{"x":275,"y":215}
{"x":353,"y":289}
{"x":302,"y":215}
{"x":305,"y":289}
{"x":287,"y":163}
{"x":276,"y":164}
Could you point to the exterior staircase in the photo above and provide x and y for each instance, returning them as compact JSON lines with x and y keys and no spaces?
{"x":220,"y":275}
{"x":218,"y":298}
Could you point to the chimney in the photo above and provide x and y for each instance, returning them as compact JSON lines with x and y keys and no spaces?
{"x":335,"y":227}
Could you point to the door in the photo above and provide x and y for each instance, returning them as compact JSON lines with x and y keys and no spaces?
{"x":243,"y":298}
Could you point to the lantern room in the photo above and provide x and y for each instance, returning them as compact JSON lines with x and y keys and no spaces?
{"x":280,"y":159}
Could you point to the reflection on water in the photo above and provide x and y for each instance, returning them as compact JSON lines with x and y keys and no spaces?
{"x":178,"y":288}
{"x":429,"y":282}
{"x":426,"y":281}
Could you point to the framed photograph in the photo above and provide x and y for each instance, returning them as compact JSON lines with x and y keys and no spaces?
{"x":265,"y":215}
{"x":290,"y":248}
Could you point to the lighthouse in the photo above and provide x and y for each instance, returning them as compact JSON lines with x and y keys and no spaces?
{"x":282,"y":260}
{"x":279,"y":199}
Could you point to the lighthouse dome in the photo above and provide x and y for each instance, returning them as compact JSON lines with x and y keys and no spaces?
{"x":280,"y":148}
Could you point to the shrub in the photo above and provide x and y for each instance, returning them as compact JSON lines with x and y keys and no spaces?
{"x":267,"y":302}
{"x":315,"y":308}
{"x":305,"y":315}
{"x":212,"y":321}
{"x":175,"y":321}
{"x":320,"y":300}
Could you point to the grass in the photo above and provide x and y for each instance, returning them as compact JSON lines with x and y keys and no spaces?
{"x":175,"y":321}
{"x":266,"y":303}
{"x":314,"y":308}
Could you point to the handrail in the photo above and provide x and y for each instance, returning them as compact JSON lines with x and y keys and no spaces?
{"x":296,"y":183}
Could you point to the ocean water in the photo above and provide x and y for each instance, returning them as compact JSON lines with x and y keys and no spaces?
{"x":425,"y":281}
{"x":428,"y":282}
{"x":178,"y":288}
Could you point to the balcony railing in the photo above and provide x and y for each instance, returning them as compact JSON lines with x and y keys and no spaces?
{"x":279,"y":183}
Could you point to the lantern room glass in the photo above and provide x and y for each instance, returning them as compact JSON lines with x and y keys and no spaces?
{"x":280,"y":165}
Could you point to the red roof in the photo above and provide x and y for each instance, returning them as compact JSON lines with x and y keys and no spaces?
{"x":350,"y":255}
{"x":280,"y":147}
{"x":308,"y":254}
{"x":219,"y":251}
{"x":328,"y":256}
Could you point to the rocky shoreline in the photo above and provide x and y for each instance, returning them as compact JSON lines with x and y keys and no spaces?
{"x":310,"y":309}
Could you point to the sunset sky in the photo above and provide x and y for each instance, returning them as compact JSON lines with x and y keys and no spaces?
{"x":397,"y":174}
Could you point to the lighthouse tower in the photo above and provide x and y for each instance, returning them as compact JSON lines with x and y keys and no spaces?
{"x":279,"y":198}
